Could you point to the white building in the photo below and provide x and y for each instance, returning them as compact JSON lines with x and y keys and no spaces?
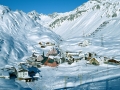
{"x":23,"y":75}
{"x":84,"y":43}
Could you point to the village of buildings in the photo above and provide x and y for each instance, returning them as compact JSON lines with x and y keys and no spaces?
{"x":28,"y":71}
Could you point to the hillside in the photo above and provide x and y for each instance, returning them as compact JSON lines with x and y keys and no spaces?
{"x":86,"y":20}
{"x":19,"y":34}
{"x":97,"y":21}
{"x":90,"y":19}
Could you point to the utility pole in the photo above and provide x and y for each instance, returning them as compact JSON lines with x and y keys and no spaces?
{"x":102,"y":45}
{"x":80,"y":77}
{"x":83,"y":33}
{"x":65,"y":88}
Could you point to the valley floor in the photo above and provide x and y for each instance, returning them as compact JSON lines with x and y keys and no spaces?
{"x":80,"y":75}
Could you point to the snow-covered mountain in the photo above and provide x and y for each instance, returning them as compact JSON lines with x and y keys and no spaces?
{"x":19,"y":34}
{"x":96,"y":20}
{"x":93,"y":17}
{"x":88,"y":19}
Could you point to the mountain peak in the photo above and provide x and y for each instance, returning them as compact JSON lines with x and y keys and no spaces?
{"x":4,"y":9}
{"x":53,"y":15}
{"x":19,"y":34}
{"x":34,"y":15}
{"x":92,"y":12}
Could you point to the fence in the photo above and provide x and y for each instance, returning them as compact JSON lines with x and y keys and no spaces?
{"x":107,"y":79}
{"x":98,"y":80}
{"x":108,"y":84}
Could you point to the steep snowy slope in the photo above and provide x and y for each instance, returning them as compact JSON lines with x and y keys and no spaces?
{"x":19,"y":34}
{"x":40,"y":18}
{"x":46,"y":20}
{"x":86,"y":20}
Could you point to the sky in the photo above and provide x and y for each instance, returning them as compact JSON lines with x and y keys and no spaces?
{"x":43,"y":6}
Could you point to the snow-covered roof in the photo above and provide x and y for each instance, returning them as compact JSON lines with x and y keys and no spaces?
{"x":51,"y":56}
{"x":8,"y":66}
{"x":75,"y":56}
{"x":39,"y":58}
{"x":22,"y":70}
{"x":98,"y":59}
{"x":31,"y":59}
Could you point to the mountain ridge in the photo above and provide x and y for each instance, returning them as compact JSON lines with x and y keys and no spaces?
{"x":92,"y":13}
{"x":18,"y":35}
